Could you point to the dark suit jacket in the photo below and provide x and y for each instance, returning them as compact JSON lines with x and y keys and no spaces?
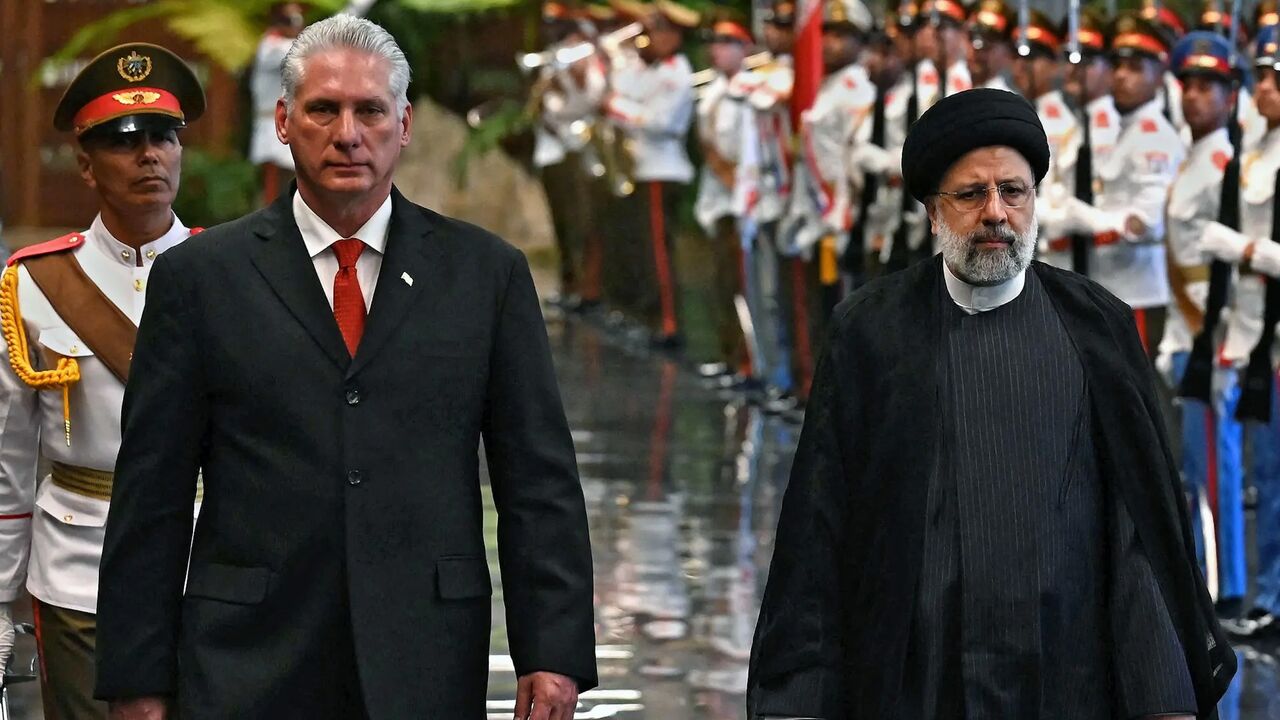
{"x":342,"y":502}
{"x":832,"y":636}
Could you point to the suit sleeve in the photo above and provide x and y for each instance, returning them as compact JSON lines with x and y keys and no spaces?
{"x":148,"y":533}
{"x":543,"y":543}
{"x":797,"y":655}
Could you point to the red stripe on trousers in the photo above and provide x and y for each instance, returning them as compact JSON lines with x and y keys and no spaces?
{"x":1211,"y":484}
{"x":658,"y":229}
{"x":1140,"y":317}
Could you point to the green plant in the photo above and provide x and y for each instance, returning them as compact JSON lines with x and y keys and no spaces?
{"x":215,"y":188}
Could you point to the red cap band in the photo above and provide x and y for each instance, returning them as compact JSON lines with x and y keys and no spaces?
{"x":133,"y":101}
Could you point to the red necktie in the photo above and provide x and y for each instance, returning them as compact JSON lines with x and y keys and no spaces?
{"x":348,"y":301}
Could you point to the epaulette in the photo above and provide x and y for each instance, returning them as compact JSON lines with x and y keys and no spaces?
{"x":1102,"y":120}
{"x":1220,"y":160}
{"x":1149,"y":126}
{"x":69,"y":241}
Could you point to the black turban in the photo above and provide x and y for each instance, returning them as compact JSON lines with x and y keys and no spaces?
{"x":966,"y":121}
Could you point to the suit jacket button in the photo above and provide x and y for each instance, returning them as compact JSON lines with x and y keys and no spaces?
{"x":353,"y":397}
{"x":354,"y":477}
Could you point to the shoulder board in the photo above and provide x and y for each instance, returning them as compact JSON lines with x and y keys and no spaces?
{"x":1149,"y":125}
{"x":57,"y":245}
{"x":196,"y":230}
{"x":1052,"y":111}
{"x":1102,"y":119}
{"x":1220,"y":159}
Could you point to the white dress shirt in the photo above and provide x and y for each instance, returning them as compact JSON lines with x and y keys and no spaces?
{"x":974,"y":299}
{"x":319,"y":239}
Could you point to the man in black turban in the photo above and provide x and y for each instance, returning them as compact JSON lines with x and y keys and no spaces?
{"x":984,"y":519}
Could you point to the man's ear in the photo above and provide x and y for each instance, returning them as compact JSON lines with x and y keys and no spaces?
{"x":282,"y":114}
{"x":931,"y":210}
{"x":86,"y":168}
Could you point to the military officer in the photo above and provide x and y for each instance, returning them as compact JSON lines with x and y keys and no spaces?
{"x":720,"y":114}
{"x":1126,"y":218}
{"x":761,"y":194}
{"x":1211,"y":436}
{"x":991,"y":45}
{"x":69,"y":309}
{"x":1256,"y":250}
{"x":940,"y":42}
{"x":571,"y":91}
{"x":653,"y":103}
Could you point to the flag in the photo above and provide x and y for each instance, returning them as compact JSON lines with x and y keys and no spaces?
{"x":808,"y":58}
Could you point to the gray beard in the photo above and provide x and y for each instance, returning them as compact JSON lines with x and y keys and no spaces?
{"x":986,"y":267}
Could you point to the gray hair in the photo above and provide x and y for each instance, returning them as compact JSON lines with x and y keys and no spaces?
{"x":345,"y":32}
{"x":983,"y":267}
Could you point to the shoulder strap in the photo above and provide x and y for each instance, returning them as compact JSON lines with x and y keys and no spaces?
{"x":85,"y":309}
{"x":69,"y":241}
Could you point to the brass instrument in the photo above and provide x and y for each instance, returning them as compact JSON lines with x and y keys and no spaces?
{"x":705,"y":77}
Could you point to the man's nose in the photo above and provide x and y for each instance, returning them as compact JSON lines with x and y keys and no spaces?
{"x":994,"y":211}
{"x":346,"y":131}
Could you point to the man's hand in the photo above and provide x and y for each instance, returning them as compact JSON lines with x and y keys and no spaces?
{"x":143,"y":708}
{"x":7,"y":635}
{"x":544,"y":696}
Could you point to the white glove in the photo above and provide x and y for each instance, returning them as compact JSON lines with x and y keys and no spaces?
{"x":1080,"y":215}
{"x":1164,"y":366}
{"x":1223,"y":243}
{"x":7,"y":635}
{"x":1266,"y":258}
{"x":871,"y":159}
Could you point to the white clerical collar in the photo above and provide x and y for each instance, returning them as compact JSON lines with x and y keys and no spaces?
{"x":974,"y":299}
{"x":318,"y":236}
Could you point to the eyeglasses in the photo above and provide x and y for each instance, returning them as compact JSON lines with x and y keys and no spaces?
{"x":1013,"y":195}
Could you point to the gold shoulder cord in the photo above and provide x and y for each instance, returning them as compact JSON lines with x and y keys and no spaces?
{"x":64,"y":375}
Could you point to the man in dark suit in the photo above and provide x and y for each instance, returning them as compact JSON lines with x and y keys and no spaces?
{"x":331,"y":364}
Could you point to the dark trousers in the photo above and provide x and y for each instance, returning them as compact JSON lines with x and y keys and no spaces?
{"x":567,"y":186}
{"x":66,"y":640}
{"x":640,"y":264}
{"x":726,"y":255}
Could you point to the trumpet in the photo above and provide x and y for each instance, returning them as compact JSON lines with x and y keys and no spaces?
{"x":563,"y":57}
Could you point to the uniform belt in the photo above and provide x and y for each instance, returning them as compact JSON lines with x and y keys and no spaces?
{"x":1194,"y":273}
{"x":92,"y":483}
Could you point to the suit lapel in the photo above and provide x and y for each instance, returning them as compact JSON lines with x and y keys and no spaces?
{"x":410,"y":265}
{"x":283,"y":261}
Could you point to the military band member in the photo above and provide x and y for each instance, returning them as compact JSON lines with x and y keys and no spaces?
{"x":1256,"y":250}
{"x":720,"y":114}
{"x":991,"y":45}
{"x":1211,"y":436}
{"x":69,"y":310}
{"x":571,"y":95}
{"x":940,"y":42}
{"x":653,"y":104}
{"x":1126,"y":218}
{"x":762,"y":192}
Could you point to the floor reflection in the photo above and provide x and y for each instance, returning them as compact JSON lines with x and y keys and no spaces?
{"x":683,"y":486}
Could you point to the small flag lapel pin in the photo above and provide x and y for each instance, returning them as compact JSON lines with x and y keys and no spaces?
{"x":407,"y":278}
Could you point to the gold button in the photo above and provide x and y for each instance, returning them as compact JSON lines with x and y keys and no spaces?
{"x":68,"y":518}
{"x":151,"y":254}
{"x":126,"y":254}
{"x":137,"y":285}
{"x":74,"y":349}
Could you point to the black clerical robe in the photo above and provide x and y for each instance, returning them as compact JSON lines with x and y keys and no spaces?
{"x":838,"y":616}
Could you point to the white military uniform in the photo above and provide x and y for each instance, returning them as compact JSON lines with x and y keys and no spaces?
{"x":1194,"y":201}
{"x":1133,"y":179}
{"x":927,"y":80}
{"x":1062,"y":129}
{"x":653,"y":104}
{"x":721,"y":113}
{"x":264,"y":86}
{"x":822,"y":204}
{"x":1258,"y":169}
{"x":998,"y":82}
{"x":885,"y":215}
{"x":763,"y":186}
{"x":563,"y":105}
{"x":61,"y":531}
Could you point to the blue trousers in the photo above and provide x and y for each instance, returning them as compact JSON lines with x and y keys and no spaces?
{"x":1266,"y":477}
{"x":1212,"y":458}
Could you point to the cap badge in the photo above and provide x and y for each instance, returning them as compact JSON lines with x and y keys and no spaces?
{"x":135,"y":67}
{"x":142,"y":97}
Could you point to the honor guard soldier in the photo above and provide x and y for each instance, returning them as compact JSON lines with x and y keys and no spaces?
{"x":1087,"y":85}
{"x":720,"y":114}
{"x":991,"y":45}
{"x":272,"y":157}
{"x":1126,"y":218}
{"x":1211,"y":435}
{"x":569,"y":92}
{"x":940,"y":42}
{"x":762,"y":193}
{"x":69,"y":310}
{"x":653,"y":104}
{"x":1159,"y":13}
{"x":1256,"y":250}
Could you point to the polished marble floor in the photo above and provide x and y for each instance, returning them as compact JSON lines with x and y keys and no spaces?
{"x":683,"y":486}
